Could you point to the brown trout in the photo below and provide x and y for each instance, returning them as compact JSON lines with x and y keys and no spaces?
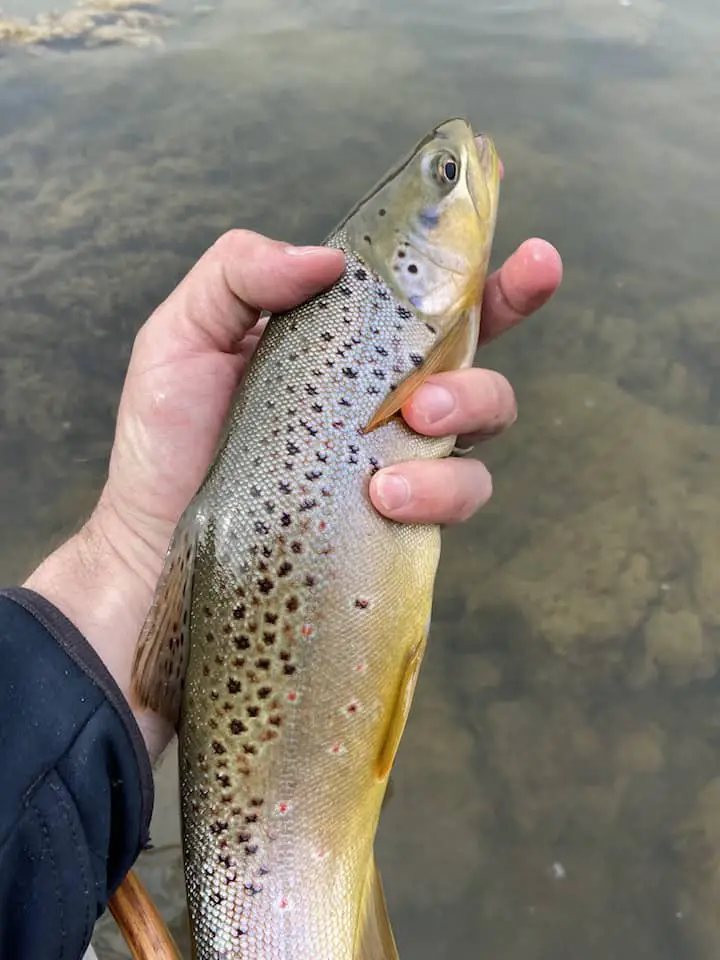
{"x":290,"y":621}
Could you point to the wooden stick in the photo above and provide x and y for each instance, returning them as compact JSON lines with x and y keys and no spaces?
{"x":140,"y":923}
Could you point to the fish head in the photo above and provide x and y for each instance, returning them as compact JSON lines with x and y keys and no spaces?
{"x":427,"y":227}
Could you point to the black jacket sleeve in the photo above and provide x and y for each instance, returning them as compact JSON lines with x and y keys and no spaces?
{"x":76,"y":788}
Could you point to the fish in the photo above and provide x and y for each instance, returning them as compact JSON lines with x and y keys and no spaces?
{"x":290,"y":621}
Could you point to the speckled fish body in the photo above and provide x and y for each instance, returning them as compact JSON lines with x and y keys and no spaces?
{"x":290,"y":621}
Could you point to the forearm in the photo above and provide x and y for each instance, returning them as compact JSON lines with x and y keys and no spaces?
{"x":106,"y":595}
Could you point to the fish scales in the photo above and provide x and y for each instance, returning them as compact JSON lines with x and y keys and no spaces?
{"x":287,"y":649}
{"x":290,"y":620}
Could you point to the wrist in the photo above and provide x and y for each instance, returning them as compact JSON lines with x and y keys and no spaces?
{"x":106,"y":595}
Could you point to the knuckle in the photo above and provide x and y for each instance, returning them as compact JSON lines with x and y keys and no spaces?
{"x":232,"y":241}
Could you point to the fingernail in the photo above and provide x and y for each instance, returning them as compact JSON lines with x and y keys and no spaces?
{"x":303,"y":251}
{"x":434,"y":403}
{"x":393,"y":491}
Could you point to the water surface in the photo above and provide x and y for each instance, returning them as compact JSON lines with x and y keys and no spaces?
{"x":557,"y":790}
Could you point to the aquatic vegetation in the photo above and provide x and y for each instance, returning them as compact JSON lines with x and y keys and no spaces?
{"x":89,"y":23}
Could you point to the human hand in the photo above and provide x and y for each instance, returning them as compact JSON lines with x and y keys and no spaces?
{"x":185,"y":366}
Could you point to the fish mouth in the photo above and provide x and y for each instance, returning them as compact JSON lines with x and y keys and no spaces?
{"x":487,"y":155}
{"x":484,"y":183}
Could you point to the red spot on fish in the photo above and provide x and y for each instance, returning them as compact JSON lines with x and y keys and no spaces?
{"x":322,"y":525}
{"x":282,"y":808}
{"x":306,"y":630}
{"x":360,"y":667}
{"x":283,"y":903}
{"x":361,"y":603}
{"x":352,"y":708}
{"x":292,"y":696}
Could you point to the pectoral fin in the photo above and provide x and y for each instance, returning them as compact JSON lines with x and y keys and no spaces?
{"x":374,"y":939}
{"x":163,"y":647}
{"x":452,"y":352}
{"x":401,"y":709}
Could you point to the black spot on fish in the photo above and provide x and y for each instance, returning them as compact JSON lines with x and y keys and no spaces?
{"x":361,"y":274}
{"x":416,"y":359}
{"x":382,"y":211}
{"x":412,"y":268}
{"x":218,"y":747}
{"x":234,"y":686}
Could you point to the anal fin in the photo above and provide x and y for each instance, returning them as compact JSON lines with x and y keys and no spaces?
{"x":161,"y":655}
{"x":374,"y":938}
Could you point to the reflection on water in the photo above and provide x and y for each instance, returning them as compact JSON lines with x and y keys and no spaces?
{"x":557,"y":788}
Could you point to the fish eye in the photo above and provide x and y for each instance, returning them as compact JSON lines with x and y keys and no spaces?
{"x":448,"y":168}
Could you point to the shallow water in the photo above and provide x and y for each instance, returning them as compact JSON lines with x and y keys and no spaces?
{"x":557,"y":789}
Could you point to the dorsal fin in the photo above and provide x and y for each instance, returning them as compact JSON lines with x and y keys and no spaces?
{"x":162,"y":650}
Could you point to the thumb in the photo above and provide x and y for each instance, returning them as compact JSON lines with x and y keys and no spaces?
{"x":220,"y":299}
